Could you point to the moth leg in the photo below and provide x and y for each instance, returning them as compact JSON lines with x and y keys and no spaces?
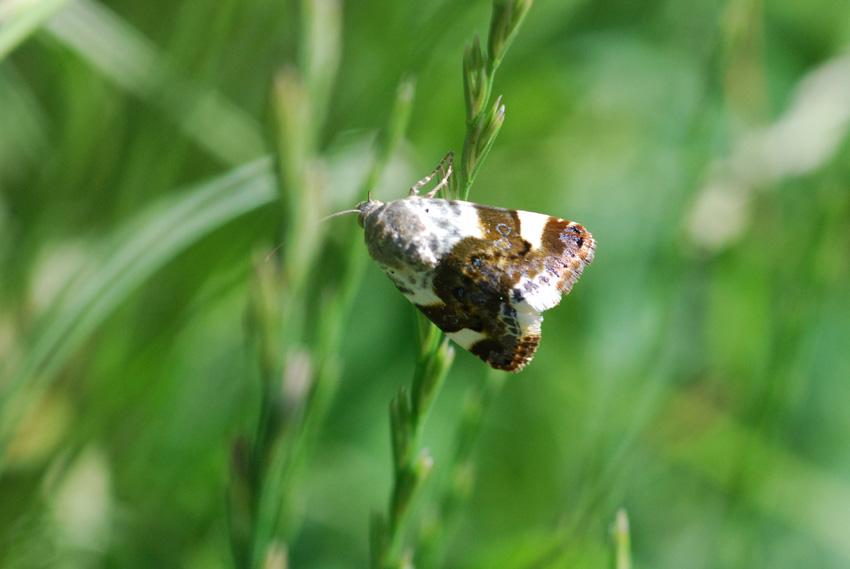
{"x":443,"y":182}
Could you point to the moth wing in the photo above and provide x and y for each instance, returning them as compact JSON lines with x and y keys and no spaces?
{"x":559,"y":251}
{"x":494,"y":272}
{"x":475,"y":314}
{"x":507,"y":343}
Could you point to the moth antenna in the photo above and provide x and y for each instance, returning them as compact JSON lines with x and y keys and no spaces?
{"x":339,"y":213}
{"x":272,"y":252}
{"x":415,"y":189}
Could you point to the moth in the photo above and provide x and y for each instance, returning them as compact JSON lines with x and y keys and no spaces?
{"x":484,"y":275}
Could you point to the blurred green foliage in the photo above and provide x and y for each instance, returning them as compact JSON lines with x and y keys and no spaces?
{"x":698,"y":375}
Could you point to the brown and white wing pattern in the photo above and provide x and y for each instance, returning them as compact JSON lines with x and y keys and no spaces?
{"x":482,"y":274}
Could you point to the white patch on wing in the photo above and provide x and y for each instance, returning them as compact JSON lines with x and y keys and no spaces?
{"x":423,"y":297}
{"x":531,"y":227}
{"x":529,"y":322}
{"x":466,"y":338}
{"x":538,"y":296}
{"x":432,"y":225}
{"x":452,"y":220}
{"x":420,"y":285}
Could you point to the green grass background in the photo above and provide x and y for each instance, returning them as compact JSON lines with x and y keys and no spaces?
{"x":697,"y":376}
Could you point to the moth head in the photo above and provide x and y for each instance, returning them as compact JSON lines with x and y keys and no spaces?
{"x":364,"y":208}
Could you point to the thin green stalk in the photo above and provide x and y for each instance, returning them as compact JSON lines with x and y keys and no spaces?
{"x":479,"y":69}
{"x":622,"y":541}
{"x":409,"y":411}
{"x":298,"y":359}
{"x":411,"y":464}
{"x":335,"y":304}
{"x":297,"y":378}
{"x":437,"y":526}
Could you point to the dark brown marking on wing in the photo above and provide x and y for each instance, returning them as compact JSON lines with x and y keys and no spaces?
{"x":560,"y":236}
{"x":501,"y":229}
{"x":508,"y":353}
{"x":478,"y":282}
{"x":569,"y":248}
